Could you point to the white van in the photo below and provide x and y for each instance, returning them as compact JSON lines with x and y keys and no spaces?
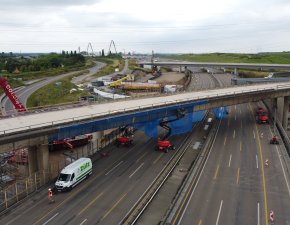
{"x":73,"y":174}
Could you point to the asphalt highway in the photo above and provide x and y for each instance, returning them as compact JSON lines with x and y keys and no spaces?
{"x":235,"y":186}
{"x":116,"y":184}
{"x":104,"y":198}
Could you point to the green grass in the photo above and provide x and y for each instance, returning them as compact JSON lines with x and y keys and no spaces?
{"x":54,"y":72}
{"x":132,"y":64}
{"x":112,"y":64}
{"x":52,"y":94}
{"x":271,"y":58}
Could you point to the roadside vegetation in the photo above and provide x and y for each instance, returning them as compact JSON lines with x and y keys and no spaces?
{"x":112,"y":62}
{"x":267,"y":58}
{"x":271,"y":58}
{"x":132,"y":64}
{"x":18,"y":69}
{"x":56,"y":93}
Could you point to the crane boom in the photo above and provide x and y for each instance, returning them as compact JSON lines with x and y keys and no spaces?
{"x":11,"y":95}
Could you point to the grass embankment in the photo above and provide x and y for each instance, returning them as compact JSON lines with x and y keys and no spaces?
{"x":16,"y":80}
{"x":53,"y":94}
{"x":132,"y":64}
{"x":111,"y":65}
{"x":55,"y":71}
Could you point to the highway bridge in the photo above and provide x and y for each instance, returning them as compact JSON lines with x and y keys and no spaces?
{"x":52,"y":122}
{"x":233,"y":188}
{"x":219,"y":65}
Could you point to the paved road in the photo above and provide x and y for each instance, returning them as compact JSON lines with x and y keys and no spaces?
{"x":235,"y":187}
{"x":24,"y":93}
{"x":105,"y":198}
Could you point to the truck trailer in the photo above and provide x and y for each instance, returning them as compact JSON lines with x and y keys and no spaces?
{"x":73,"y":174}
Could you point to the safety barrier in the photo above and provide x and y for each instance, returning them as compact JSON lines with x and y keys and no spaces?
{"x":20,"y":189}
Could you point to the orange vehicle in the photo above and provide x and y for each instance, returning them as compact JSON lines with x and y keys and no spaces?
{"x":164,"y":145}
{"x":123,"y":140}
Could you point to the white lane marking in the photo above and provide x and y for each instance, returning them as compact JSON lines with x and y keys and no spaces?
{"x":50,"y":219}
{"x":218,"y":217}
{"x":258,"y":213}
{"x":230,"y":160}
{"x":83,"y":221}
{"x":234,"y":135}
{"x":235,"y":117}
{"x":114,"y":168}
{"x":190,"y":197}
{"x":235,"y":106}
{"x":254,"y":134}
{"x":136,"y":170}
{"x":257,"y":162}
{"x":285,"y":177}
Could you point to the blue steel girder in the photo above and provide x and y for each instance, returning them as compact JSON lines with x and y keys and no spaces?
{"x":122,"y":120}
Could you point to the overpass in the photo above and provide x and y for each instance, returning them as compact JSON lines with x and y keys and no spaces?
{"x":35,"y":130}
{"x":260,"y":66}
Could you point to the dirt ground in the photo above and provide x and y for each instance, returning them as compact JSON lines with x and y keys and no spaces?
{"x":170,"y":77}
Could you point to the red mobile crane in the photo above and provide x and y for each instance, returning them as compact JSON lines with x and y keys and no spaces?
{"x":11,"y":95}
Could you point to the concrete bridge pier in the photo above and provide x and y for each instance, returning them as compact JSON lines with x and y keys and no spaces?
{"x":32,"y":160}
{"x":285,"y":112}
{"x":38,"y":158}
{"x":97,"y":140}
{"x":236,"y":71}
{"x":180,"y":69}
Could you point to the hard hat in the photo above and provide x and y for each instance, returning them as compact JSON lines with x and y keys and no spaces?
{"x":49,"y":189}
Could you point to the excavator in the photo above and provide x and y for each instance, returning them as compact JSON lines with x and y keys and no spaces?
{"x":163,"y":144}
{"x":11,"y":95}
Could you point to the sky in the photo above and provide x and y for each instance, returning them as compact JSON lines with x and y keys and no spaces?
{"x":164,"y":26}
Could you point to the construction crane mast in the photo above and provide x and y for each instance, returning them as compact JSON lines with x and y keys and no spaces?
{"x":11,"y":95}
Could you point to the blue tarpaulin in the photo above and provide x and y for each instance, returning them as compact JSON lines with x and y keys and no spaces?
{"x":180,"y":126}
{"x":147,"y":120}
{"x":220,"y":112}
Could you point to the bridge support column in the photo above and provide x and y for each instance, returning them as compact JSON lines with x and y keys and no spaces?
{"x":280,"y":107}
{"x":285,"y":112}
{"x":32,"y":160}
{"x":97,"y":137}
{"x":43,"y":157}
{"x":180,"y":69}
{"x":236,"y":71}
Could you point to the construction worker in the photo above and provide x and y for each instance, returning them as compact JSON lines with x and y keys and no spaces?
{"x":50,"y":195}
{"x":271,"y":216}
{"x":266,"y":163}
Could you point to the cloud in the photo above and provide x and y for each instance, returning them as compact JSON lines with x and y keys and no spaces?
{"x":165,"y":26}
{"x":36,"y":3}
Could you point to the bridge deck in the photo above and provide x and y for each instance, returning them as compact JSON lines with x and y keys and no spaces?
{"x":25,"y":122}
